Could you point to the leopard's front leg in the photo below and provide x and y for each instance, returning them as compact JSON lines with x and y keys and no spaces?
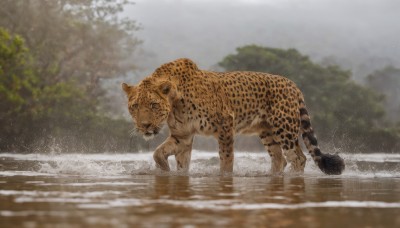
{"x":225,"y":141}
{"x":181,"y":147}
{"x":162,"y":153}
{"x":183,"y":152}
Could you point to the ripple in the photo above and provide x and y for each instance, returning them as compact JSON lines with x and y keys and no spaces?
{"x":221,"y":205}
{"x":202,"y":164}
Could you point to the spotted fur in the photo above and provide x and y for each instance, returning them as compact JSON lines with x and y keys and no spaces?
{"x":193,"y":101}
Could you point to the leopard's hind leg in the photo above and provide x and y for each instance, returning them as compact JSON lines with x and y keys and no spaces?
{"x":296,"y":158}
{"x":292,"y":151}
{"x":285,"y":130}
{"x":278,"y":162}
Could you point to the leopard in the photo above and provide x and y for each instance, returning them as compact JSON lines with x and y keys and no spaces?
{"x":193,"y":102}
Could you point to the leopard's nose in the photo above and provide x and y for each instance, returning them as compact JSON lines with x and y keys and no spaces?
{"x":146,"y":125}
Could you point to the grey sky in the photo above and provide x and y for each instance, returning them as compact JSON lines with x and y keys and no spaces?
{"x":356,"y":33}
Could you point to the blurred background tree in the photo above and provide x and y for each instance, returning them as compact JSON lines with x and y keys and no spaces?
{"x":60,"y":58}
{"x":17,"y":90}
{"x":387,"y":82}
{"x":54,"y":56}
{"x":83,"y":40}
{"x":341,"y":110}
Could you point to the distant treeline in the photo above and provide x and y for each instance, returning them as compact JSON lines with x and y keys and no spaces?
{"x":345,"y":114}
{"x":53,"y":57}
{"x":55,"y":54}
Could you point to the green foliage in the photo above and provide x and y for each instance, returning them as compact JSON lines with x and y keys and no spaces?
{"x":16,"y":85}
{"x":34,"y":116}
{"x":387,"y":82}
{"x":50,"y":73}
{"x":341,"y":110}
{"x":81,"y":40}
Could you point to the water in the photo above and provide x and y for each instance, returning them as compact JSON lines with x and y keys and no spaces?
{"x":125,"y":190}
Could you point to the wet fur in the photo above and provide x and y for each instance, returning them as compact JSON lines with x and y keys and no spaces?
{"x":192,"y":101}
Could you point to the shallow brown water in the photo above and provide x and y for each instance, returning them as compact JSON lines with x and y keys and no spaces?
{"x":124,"y":190}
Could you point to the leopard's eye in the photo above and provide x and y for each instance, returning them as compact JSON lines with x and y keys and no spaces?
{"x":134,"y":106}
{"x":154,"y":105}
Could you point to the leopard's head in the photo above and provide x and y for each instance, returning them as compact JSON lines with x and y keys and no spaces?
{"x":149,"y":104}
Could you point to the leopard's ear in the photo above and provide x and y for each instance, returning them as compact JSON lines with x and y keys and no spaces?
{"x":168,"y":89}
{"x":165,"y":87}
{"x":125,"y":87}
{"x":128,"y":89}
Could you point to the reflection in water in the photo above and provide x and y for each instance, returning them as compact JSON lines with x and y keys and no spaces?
{"x":125,"y":191}
{"x":171,"y":187}
{"x":296,"y":188}
{"x":226,"y":187}
{"x":328,"y":189}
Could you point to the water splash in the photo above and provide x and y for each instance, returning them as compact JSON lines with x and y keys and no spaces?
{"x":79,"y":164}
{"x":202,"y":164}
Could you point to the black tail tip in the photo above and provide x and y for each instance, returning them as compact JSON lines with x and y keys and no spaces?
{"x":331,"y":164}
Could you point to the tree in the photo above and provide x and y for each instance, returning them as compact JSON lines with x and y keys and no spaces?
{"x":84,"y":40}
{"x":16,"y":85}
{"x":387,"y":82}
{"x":341,"y":110}
{"x":51,"y":73}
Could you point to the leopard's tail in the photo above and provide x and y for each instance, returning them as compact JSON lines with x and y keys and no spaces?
{"x":328,"y":163}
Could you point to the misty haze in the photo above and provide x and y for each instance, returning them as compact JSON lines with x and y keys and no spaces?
{"x":358,"y":35}
{"x":71,"y":154}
